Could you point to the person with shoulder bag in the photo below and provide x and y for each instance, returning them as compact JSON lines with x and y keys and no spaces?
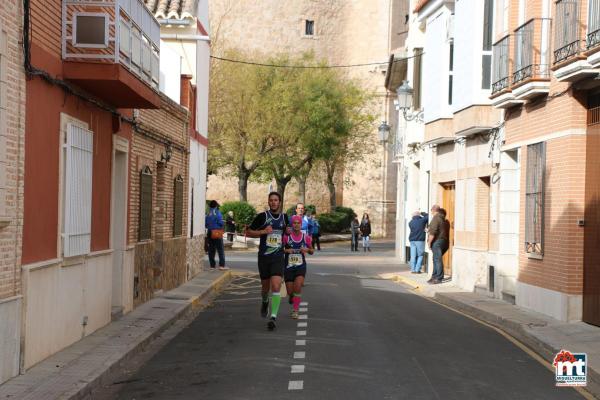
{"x":214,"y":226}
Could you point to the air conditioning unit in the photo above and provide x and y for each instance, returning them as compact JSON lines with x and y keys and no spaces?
{"x":90,"y":30}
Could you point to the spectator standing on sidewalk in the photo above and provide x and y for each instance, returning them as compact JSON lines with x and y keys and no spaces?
{"x":438,"y":242}
{"x":365,"y":230}
{"x":230,"y":226}
{"x":214,"y":226}
{"x":316,"y":241}
{"x":416,"y":238}
{"x":354,"y":231}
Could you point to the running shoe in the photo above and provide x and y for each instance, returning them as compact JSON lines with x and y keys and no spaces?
{"x":264,"y":309}
{"x":294,"y":314}
{"x":271,"y":325}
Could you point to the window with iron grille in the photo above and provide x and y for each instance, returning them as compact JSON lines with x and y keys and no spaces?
{"x":145,"y":229}
{"x":593,"y":35}
{"x":534,"y":199}
{"x":178,"y":207}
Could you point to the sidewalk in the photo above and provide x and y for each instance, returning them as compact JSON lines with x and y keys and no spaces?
{"x":75,"y":371}
{"x":544,"y":335}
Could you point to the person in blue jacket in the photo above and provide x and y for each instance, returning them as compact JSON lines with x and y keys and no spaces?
{"x":214,"y":220}
{"x":416,"y":238}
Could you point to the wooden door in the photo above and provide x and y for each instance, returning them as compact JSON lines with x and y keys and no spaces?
{"x":448,"y":205}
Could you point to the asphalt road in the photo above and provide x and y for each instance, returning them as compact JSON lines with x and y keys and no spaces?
{"x":364,"y":338}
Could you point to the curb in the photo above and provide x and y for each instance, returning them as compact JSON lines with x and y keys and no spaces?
{"x":86,"y":392}
{"x":518,"y":332}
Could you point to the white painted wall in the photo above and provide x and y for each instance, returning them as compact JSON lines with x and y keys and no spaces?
{"x":170,"y":71}
{"x":58,"y":298}
{"x":468,"y":52}
{"x":436,"y":66}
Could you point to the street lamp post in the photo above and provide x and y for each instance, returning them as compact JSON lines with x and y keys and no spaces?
{"x":384,"y":133}
{"x":404,"y":103}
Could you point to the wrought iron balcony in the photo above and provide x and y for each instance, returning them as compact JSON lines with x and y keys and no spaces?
{"x":531,"y":51}
{"x":568,"y":30}
{"x":593,"y":36}
{"x":109,"y":44}
{"x":500,"y":70}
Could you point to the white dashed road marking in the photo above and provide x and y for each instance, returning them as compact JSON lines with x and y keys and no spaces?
{"x":297,"y":369}
{"x":295,"y":385}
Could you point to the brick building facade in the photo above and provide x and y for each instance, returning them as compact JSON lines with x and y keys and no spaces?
{"x":12,"y":130}
{"x":162,"y":153}
{"x":545,"y":63}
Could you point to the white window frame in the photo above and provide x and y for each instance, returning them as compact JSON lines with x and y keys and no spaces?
{"x":90,"y":14}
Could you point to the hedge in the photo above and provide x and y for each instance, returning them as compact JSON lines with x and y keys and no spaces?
{"x":243,"y":213}
{"x":335,"y":222}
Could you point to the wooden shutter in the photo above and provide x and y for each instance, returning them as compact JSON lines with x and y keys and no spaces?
{"x":178,"y":207}
{"x":145,"y":204}
{"x":77,"y":227}
{"x":418,"y":53}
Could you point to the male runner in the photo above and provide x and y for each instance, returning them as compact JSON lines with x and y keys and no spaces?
{"x":270,"y":226}
{"x":297,"y":244}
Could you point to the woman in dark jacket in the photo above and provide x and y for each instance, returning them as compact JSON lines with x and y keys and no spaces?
{"x":365,"y":230}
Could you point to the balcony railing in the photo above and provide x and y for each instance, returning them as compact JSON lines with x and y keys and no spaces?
{"x":531,"y":51}
{"x":112,"y":31}
{"x":500,"y":72}
{"x":568,"y":30}
{"x":593,"y":36}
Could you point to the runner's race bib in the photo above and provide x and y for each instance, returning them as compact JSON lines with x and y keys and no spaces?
{"x":294,"y":260}
{"x":274,"y":239}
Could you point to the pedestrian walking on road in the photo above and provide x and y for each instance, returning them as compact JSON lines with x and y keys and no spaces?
{"x":230,"y":226}
{"x":365,"y":230}
{"x":296,"y":246}
{"x":438,"y":242}
{"x":355,"y":232}
{"x":214,"y":226}
{"x":270,"y":227}
{"x":416,"y":238}
{"x":316,"y":234}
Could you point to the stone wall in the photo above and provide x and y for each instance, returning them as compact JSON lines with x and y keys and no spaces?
{"x":345,"y":34}
{"x":195,"y":255}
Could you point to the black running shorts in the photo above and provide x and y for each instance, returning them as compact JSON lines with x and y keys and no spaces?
{"x":291,"y":273}
{"x":269,"y":266}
